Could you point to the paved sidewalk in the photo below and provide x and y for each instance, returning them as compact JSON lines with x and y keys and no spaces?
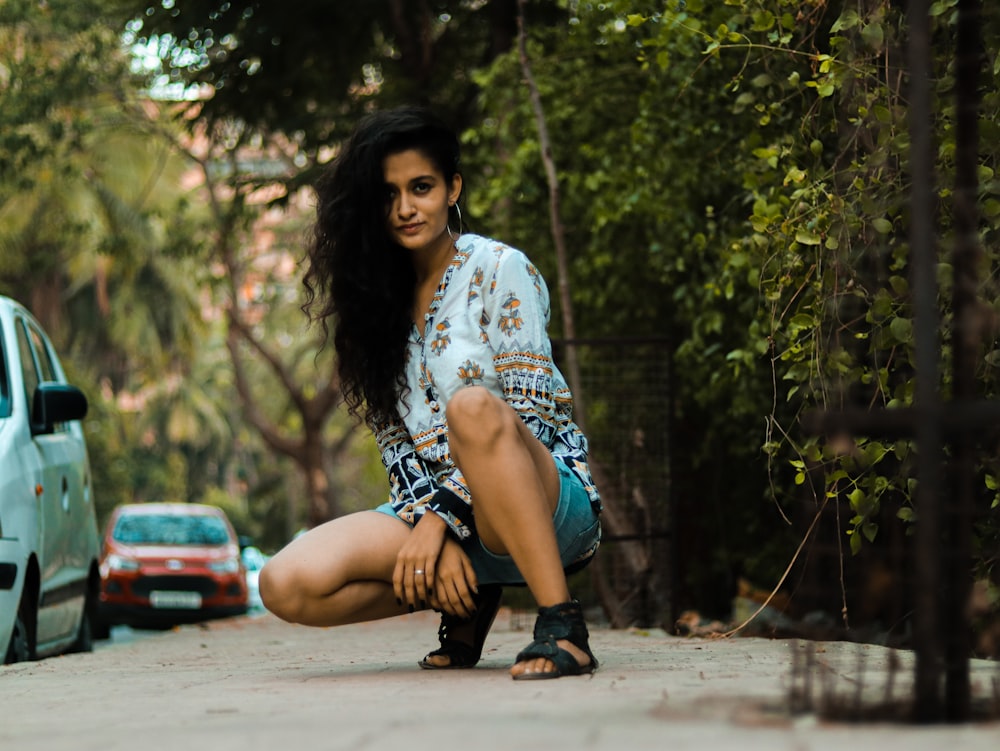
{"x":256,"y":683}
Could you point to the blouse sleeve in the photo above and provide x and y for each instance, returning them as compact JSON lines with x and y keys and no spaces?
{"x":412,"y":488}
{"x":515,"y":322}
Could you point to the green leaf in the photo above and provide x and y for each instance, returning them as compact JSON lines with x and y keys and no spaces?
{"x":856,"y":498}
{"x":882,"y":226}
{"x":794,"y":175}
{"x":848,"y":20}
{"x":902,"y":330}
{"x":805,"y":237}
{"x":900,"y":285}
{"x":870,"y":529}
{"x":939,"y":7}
{"x":873,"y":35}
{"x":762,"y":20}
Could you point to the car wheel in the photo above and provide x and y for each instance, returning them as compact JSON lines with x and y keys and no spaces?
{"x":99,"y":628}
{"x":89,"y":628}
{"x":84,"y":636}
{"x":19,"y":649}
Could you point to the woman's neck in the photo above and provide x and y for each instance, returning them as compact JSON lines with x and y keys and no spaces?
{"x":430,"y":264}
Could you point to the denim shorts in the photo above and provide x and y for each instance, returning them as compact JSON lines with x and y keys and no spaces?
{"x":578,"y":533}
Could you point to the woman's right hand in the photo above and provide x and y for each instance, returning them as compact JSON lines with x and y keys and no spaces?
{"x":454,"y":581}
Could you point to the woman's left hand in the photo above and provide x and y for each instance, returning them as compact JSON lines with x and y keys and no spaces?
{"x":416,"y":562}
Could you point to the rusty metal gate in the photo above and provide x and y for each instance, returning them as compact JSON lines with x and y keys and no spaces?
{"x":945,"y":431}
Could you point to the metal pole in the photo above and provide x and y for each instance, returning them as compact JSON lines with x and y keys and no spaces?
{"x":923,"y":253}
{"x":966,"y":345}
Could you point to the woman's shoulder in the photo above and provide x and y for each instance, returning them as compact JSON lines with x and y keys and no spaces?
{"x":484,"y":249}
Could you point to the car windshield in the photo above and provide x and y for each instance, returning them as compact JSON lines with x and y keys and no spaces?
{"x":170,"y":529}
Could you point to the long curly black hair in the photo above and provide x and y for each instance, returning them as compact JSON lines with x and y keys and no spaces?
{"x":359,"y":283}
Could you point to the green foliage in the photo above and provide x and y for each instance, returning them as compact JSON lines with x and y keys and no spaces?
{"x":825,"y":171}
{"x":742,"y":187}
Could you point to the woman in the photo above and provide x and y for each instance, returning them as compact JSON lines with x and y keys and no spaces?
{"x":442,"y":348}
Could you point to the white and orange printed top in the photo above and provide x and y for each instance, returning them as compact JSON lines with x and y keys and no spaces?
{"x":486,"y":326}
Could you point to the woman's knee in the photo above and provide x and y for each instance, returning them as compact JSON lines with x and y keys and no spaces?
{"x":279,"y":590}
{"x":474,"y":414}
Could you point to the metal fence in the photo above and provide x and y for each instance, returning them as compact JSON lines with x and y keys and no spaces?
{"x":624,"y":392}
{"x":940,"y":556}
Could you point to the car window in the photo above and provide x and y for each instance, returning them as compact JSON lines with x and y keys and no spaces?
{"x":28,"y":367}
{"x":48,"y":371}
{"x":4,"y":383}
{"x":36,"y":362}
{"x":170,"y":529}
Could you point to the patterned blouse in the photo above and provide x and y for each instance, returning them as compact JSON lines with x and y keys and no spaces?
{"x":486,"y":326}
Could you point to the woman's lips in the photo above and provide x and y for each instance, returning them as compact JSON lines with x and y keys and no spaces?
{"x":409,"y":229}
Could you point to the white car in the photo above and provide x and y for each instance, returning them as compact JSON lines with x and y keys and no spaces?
{"x":49,"y":580}
{"x":253,"y":562}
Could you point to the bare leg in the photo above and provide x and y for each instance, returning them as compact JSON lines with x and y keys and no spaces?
{"x":515,"y":487}
{"x":338,"y":573}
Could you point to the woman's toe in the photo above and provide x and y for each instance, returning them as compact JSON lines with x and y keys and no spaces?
{"x":537,"y":665}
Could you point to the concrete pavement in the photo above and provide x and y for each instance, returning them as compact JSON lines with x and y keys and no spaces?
{"x":256,"y":683}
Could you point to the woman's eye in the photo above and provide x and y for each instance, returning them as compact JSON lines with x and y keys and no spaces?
{"x":421,"y":188}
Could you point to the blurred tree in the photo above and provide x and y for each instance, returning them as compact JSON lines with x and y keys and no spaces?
{"x":89,"y":219}
{"x":311,"y":74}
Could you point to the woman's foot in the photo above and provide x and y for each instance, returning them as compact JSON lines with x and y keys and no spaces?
{"x":542,"y":665}
{"x":462,"y":639}
{"x":561,"y":646}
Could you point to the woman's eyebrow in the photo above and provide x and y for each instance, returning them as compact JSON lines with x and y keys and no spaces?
{"x":419,"y":179}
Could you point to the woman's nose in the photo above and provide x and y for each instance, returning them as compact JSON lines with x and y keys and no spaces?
{"x":404,"y":207}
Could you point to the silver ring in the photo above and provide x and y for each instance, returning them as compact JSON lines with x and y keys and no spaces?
{"x":418,"y":571}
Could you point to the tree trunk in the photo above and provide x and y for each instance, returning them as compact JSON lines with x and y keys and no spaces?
{"x":636,"y":559}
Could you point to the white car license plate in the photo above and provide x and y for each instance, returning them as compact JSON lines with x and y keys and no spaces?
{"x":159,"y":598}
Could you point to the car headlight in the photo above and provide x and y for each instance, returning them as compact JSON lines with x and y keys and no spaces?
{"x":227,"y":566}
{"x":117,"y":562}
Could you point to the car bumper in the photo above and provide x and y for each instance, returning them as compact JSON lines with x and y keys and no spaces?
{"x":130,"y":599}
{"x":140,"y":616}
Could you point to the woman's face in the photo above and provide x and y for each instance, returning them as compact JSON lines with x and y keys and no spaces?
{"x":418,"y":201}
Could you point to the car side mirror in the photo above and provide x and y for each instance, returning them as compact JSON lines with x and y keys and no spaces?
{"x":54,"y":403}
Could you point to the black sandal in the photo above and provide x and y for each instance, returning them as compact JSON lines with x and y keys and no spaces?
{"x":460,"y":654}
{"x":562,"y":621}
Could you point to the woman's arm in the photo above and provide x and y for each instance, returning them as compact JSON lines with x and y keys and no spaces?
{"x":516,"y":318}
{"x":413,"y":491}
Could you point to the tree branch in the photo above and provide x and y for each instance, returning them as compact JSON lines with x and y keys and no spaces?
{"x":555,"y":220}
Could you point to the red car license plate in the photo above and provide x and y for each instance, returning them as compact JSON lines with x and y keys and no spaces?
{"x":182,"y":600}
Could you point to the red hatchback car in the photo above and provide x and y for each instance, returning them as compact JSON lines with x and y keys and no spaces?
{"x":164,"y":564}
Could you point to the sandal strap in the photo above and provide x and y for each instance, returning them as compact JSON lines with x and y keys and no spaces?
{"x":562,"y":621}
{"x":459,"y":653}
{"x":546,"y":648}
